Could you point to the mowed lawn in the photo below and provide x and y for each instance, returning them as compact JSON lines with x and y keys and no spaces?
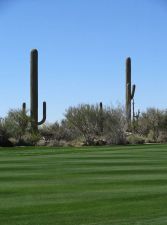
{"x":122,"y":185}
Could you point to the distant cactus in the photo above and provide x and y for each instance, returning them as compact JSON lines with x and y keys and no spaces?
{"x":101,"y":106}
{"x":24,"y":108}
{"x":101,"y":117}
{"x":34,"y":93}
{"x":130,"y":91}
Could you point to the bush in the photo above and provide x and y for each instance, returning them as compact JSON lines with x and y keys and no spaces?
{"x":98,"y":127}
{"x":135,"y":139}
{"x":114,"y":125}
{"x":30,"y":139}
{"x":87,"y":120}
{"x":5,"y":142}
{"x":55,"y":143}
{"x":4,"y":135}
{"x":151,"y":137}
{"x":162,"y":137}
{"x":151,"y":123}
{"x":17,"y":124}
{"x":85,"y":125}
{"x":58,"y":132}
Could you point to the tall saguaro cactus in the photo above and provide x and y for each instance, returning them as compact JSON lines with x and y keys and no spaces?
{"x":34,"y":93}
{"x":130,"y":90}
{"x":101,"y":117}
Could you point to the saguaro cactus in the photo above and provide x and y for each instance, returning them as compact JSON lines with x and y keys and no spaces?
{"x":24,"y":107}
{"x":101,"y":117}
{"x":130,"y":90}
{"x":34,"y":92}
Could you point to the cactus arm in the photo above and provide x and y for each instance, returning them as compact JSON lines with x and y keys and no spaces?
{"x":44,"y":114}
{"x":133,"y":91}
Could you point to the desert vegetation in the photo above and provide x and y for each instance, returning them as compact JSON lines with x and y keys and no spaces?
{"x":83,"y":124}
{"x":86,"y":125}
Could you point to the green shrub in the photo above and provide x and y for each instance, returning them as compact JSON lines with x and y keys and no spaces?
{"x":162,"y":137}
{"x":98,"y":127}
{"x":151,"y":137}
{"x":31,"y":139}
{"x":135,"y":139}
{"x":4,"y":135}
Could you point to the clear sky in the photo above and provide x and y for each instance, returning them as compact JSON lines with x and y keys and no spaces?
{"x":82,"y":48}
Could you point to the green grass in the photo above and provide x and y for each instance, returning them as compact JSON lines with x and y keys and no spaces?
{"x":85,"y":186}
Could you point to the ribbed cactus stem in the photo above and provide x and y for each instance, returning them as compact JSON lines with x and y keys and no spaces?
{"x":24,"y":107}
{"x":101,"y":117}
{"x":130,"y":91}
{"x":34,"y":88}
{"x":34,"y":91}
{"x":101,"y":106}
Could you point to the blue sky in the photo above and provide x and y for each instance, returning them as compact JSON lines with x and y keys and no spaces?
{"x":82,"y":48}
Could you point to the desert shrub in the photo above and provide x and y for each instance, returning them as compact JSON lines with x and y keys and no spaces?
{"x":16,"y":128}
{"x":85,"y":125}
{"x":17,"y":124}
{"x":162,"y":137}
{"x":30,"y":139}
{"x":114,"y":125}
{"x":150,"y":137}
{"x":56,"y":143}
{"x":151,"y":123}
{"x":46,"y":132}
{"x":57,"y":133}
{"x":135,"y":139}
{"x":87,"y":120}
{"x":4,"y":135}
{"x":97,"y":126}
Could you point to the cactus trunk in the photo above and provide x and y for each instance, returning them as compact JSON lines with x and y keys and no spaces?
{"x":34,"y":89}
{"x":24,"y":107}
{"x":34,"y":92}
{"x":128,"y":90}
{"x":101,"y":118}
